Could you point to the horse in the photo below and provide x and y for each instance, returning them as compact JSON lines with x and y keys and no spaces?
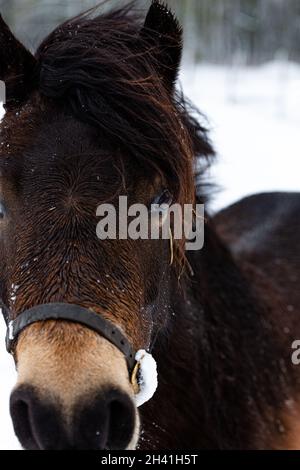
{"x":94,"y":114}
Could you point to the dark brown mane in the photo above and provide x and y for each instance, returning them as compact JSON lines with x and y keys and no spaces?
{"x":102,"y":69}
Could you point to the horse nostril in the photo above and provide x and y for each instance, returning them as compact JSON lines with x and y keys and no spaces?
{"x":20,"y":414}
{"x":121,"y":423}
{"x":36,"y":424}
{"x":107,"y":423}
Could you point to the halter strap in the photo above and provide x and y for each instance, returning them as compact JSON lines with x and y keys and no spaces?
{"x":73,"y":313}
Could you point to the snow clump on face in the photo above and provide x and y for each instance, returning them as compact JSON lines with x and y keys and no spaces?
{"x":146,"y":377}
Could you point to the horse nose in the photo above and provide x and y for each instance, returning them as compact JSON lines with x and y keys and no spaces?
{"x":36,"y":422}
{"x":106,"y":421}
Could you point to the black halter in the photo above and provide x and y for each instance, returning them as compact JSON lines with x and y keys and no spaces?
{"x":73,"y":313}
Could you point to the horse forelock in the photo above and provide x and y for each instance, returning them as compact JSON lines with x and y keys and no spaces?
{"x":105,"y":72}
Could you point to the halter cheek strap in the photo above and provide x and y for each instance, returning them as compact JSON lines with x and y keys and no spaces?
{"x":73,"y":313}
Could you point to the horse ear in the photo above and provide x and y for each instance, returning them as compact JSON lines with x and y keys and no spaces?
{"x":162,"y":30}
{"x":16,"y":66}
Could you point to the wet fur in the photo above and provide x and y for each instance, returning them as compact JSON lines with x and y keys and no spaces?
{"x":225,"y":374}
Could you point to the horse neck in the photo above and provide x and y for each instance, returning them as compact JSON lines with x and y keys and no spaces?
{"x":218,"y":354}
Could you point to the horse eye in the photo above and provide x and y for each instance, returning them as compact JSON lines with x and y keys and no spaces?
{"x":2,"y":211}
{"x":165,"y":198}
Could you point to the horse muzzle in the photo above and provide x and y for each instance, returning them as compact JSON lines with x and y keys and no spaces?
{"x":106,"y":420}
{"x":73,"y":389}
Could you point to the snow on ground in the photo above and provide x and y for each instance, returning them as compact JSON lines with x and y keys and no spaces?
{"x":254,"y":114}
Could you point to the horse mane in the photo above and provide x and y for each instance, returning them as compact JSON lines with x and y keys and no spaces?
{"x":105,"y":72}
{"x":102,"y":69}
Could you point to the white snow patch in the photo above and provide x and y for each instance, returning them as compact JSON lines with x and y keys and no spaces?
{"x":11,"y":330}
{"x":254,"y":116}
{"x":147,"y":377}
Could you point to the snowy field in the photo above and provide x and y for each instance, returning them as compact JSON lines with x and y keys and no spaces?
{"x":254,"y":116}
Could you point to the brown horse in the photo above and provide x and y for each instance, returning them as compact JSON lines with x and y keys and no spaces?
{"x":94,"y":114}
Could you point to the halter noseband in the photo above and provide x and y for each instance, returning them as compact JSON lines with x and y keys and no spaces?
{"x":73,"y":313}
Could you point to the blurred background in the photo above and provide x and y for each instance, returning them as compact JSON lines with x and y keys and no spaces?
{"x":241,"y":67}
{"x":217,"y":31}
